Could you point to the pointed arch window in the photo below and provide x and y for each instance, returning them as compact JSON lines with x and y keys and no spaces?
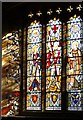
{"x":53,"y":64}
{"x":54,"y":54}
{"x":34,"y":66}
{"x":74,"y":63}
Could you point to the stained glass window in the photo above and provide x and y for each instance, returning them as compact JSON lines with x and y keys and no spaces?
{"x":34,"y":66}
{"x":75,"y":63}
{"x":54,"y":73}
{"x":53,"y":64}
{"x":11,"y":73}
{"x":42,"y":64}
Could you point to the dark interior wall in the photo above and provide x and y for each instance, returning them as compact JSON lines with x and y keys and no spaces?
{"x":11,"y":16}
{"x":15,"y":14}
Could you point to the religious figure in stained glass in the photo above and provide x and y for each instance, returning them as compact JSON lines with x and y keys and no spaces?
{"x":35,"y":63}
{"x":53,"y":64}
{"x":34,"y":66}
{"x":75,"y":63}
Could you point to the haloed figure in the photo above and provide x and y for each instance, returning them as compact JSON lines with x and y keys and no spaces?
{"x":74,"y":62}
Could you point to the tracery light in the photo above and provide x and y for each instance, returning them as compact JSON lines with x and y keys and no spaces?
{"x":49,"y":12}
{"x":39,"y":13}
{"x":69,"y":9}
{"x":58,"y":11}
{"x":79,"y":7}
{"x":31,"y":15}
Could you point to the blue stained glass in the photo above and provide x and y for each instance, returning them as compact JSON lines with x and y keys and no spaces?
{"x":74,"y":68}
{"x":75,"y":101}
{"x":74,"y":27}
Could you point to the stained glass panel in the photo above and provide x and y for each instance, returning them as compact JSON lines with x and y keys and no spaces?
{"x":53,"y":67}
{"x":75,"y":101}
{"x":74,"y":69}
{"x":53,"y":101}
{"x":75,"y":44}
{"x":75,"y":28}
{"x":34,"y":101}
{"x":53,"y":64}
{"x":53,"y":84}
{"x":74,"y":65}
{"x":74,"y":82}
{"x":35,"y":34}
{"x":34,"y":66}
{"x":34,"y":84}
{"x":34,"y":51}
{"x":54,"y":30}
